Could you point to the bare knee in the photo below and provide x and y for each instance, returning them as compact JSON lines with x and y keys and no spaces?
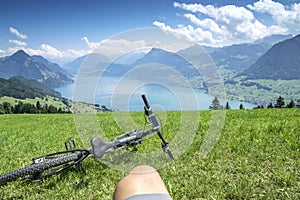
{"x":142,"y":179}
{"x":143,"y":169}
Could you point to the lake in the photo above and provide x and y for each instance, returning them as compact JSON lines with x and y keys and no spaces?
{"x":126,"y":95}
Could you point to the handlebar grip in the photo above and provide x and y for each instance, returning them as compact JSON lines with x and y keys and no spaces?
{"x":146,"y":101}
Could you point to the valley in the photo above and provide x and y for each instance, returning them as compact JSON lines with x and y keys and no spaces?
{"x":256,"y":73}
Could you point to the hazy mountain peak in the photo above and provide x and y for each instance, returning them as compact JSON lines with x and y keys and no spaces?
{"x":20,"y":55}
{"x":273,"y":39}
{"x":279,"y":62}
{"x":36,"y":68}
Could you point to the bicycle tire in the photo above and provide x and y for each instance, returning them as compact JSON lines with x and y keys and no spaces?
{"x":37,"y":168}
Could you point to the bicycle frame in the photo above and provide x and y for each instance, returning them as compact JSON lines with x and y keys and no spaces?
{"x":57,"y":162}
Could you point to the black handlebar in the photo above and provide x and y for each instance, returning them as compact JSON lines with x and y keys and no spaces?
{"x":56,"y":162}
{"x":146,"y":101}
{"x":155,"y":125}
{"x":100,"y":147}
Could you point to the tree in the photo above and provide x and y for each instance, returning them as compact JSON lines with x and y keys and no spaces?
{"x":298,"y":103}
{"x":52,"y":109}
{"x":215,"y":105}
{"x":28,"y":108}
{"x":1,"y":109}
{"x":45,"y":108}
{"x":279,"y":102}
{"x":38,"y":105}
{"x":7,"y":108}
{"x":262,"y":107}
{"x":242,"y":107}
{"x":270,"y":105}
{"x":17,"y":107}
{"x":227,"y":106}
{"x":291,"y":104}
{"x":259,"y":107}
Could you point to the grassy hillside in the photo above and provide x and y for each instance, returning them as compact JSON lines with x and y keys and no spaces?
{"x":21,"y":88}
{"x":263,"y":90}
{"x":49,"y":100}
{"x":53,"y":101}
{"x":257,"y":157}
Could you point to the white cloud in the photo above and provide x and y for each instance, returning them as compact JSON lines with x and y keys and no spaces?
{"x":230,"y":24}
{"x":206,"y":23}
{"x":224,"y":13}
{"x":45,"y":50}
{"x":110,"y":48}
{"x":50,"y":53}
{"x":188,"y":32}
{"x":17,"y":33}
{"x":18,"y":42}
{"x":287,"y":19}
{"x":180,"y":32}
{"x":113,"y":47}
{"x":92,"y":45}
{"x":267,"y":6}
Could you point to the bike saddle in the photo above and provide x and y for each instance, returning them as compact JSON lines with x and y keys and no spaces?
{"x":100,"y":147}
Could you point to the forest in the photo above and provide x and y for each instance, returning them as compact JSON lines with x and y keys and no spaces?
{"x":38,"y":108}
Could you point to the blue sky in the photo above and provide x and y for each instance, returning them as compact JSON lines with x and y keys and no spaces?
{"x":65,"y":29}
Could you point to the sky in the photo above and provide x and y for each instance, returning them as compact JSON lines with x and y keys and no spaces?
{"x":62,"y":30}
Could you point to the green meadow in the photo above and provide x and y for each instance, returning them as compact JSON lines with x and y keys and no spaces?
{"x":256,"y":157}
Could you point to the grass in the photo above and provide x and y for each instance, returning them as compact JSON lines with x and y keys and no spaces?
{"x":48,"y":100}
{"x":288,"y":89}
{"x":256,"y":157}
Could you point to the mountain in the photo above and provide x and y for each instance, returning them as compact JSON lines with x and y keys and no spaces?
{"x":169,"y":59}
{"x":90,"y":62}
{"x":21,"y":64}
{"x":236,"y":57}
{"x":194,"y":52}
{"x":21,"y":88}
{"x":73,"y":66}
{"x":130,"y":58}
{"x":52,"y":66}
{"x":273,"y":39}
{"x":233,"y":59}
{"x":282,"y":61}
{"x":94,"y":63}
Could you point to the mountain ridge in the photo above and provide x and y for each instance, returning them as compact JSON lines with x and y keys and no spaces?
{"x":169,"y":59}
{"x":21,"y":88}
{"x":52,"y":66}
{"x":234,"y":58}
{"x":22,"y":64}
{"x":93,"y":59}
{"x":281,"y":61}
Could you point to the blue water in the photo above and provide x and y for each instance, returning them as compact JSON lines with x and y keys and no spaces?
{"x":127,"y":96}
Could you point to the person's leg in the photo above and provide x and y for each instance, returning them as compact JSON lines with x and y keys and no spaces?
{"x":141,"y":180}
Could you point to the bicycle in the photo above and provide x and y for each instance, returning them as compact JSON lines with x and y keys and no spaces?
{"x":54,"y":163}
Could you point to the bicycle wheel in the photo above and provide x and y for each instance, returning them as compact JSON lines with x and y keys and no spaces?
{"x":37,"y":168}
